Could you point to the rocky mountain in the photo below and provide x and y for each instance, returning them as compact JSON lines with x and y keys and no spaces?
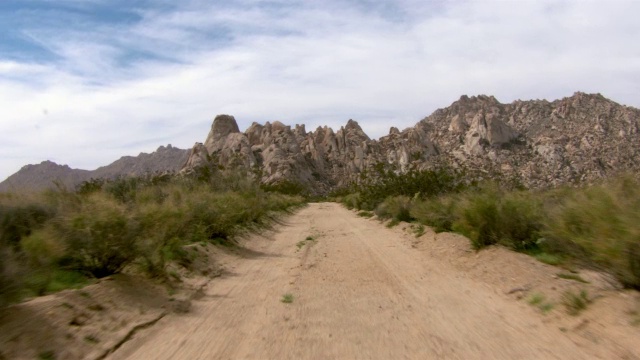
{"x":541,"y":143}
{"x":576,"y":139}
{"x":43,"y":175}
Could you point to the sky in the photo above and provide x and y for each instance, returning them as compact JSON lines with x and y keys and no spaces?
{"x":83,"y":82}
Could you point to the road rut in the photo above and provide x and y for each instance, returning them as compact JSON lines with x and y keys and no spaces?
{"x":360,"y":291}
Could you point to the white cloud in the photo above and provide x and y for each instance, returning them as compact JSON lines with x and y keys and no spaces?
{"x":99,"y":98}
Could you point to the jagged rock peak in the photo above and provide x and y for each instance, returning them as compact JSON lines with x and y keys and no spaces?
{"x":279,"y":126}
{"x":464,"y":99}
{"x":223,"y":125}
{"x":352,"y":124}
{"x":542,"y":143}
{"x":353,"y":129}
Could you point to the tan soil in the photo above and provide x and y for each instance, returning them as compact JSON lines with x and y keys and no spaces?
{"x":360,"y":291}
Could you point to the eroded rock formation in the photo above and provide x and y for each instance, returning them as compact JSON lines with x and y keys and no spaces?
{"x":580,"y":138}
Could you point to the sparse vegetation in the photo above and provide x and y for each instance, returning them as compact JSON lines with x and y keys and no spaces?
{"x":596,"y":225}
{"x":392,"y":223}
{"x":536,"y":299}
{"x":365,"y":214}
{"x":287,"y":298}
{"x":301,"y":244}
{"x":418,"y":229}
{"x":375,"y":186}
{"x":574,"y":277}
{"x":512,"y":219}
{"x":545,"y":307}
{"x":47,"y":355}
{"x":62,"y":239}
{"x":540,"y":301}
{"x":438,"y":212}
{"x":551,"y":259}
{"x":600,"y":224}
{"x":576,"y":303}
{"x":395,"y":208}
{"x":286,"y":187}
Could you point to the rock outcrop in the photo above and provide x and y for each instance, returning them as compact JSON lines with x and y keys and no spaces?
{"x":580,"y":138}
{"x":577,"y":139}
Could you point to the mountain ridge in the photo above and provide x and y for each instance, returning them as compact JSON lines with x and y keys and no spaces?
{"x":47,"y":173}
{"x":583,"y":137}
{"x":541,"y":143}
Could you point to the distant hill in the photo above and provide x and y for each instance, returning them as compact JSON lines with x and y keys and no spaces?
{"x":43,"y":175}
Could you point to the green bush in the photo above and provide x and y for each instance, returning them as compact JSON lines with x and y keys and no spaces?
{"x":376,"y":186}
{"x":286,"y":187}
{"x":99,"y":239}
{"x":162,"y":230}
{"x":90,"y":186}
{"x":60,"y":238}
{"x":123,"y":189}
{"x":396,"y":208}
{"x":438,"y":212}
{"x":352,"y":201}
{"x":491,"y":216}
{"x":478,"y":219}
{"x":17,"y":221}
{"x":521,"y":217}
{"x":600,"y":224}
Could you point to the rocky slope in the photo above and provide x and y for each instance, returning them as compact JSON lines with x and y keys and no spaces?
{"x":576,"y":139}
{"x":579,"y":138}
{"x":43,"y":175}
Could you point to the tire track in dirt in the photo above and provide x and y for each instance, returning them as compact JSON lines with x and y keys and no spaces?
{"x":360,"y":292}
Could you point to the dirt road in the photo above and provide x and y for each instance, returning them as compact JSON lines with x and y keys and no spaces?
{"x":360,"y":291}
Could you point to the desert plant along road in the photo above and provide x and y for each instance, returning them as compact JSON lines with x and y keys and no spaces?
{"x":328,"y":284}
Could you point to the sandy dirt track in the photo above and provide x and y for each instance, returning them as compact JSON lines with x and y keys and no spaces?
{"x":360,"y":291}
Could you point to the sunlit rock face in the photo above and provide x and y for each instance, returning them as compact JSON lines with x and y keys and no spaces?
{"x":579,"y":138}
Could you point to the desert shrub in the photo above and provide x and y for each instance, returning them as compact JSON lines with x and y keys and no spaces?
{"x":521,"y":217}
{"x":43,"y":248}
{"x":351,"y":201}
{"x":396,"y":208}
{"x":162,"y":230}
{"x":478,"y":219}
{"x":600,"y":224}
{"x":90,"y":186}
{"x":286,"y":187}
{"x":10,"y":276}
{"x":123,"y":188}
{"x":382,"y":183}
{"x":341,"y":191}
{"x":151,"y":194}
{"x":437,"y":212}
{"x":576,"y":303}
{"x":17,"y":221}
{"x":62,"y":238}
{"x":212,"y":216}
{"x":42,"y":281}
{"x":41,"y":253}
{"x":491,"y":216}
{"x":99,"y":238}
